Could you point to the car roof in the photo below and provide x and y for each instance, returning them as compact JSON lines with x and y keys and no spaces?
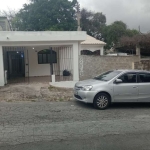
{"x":130,"y":70}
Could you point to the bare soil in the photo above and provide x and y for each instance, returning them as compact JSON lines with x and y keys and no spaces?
{"x":34,"y":92}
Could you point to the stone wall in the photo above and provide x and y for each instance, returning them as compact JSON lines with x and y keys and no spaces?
{"x":90,"y":66}
{"x":142,"y":65}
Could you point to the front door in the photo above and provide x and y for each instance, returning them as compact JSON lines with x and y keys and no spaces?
{"x":15,"y":64}
{"x":127,"y":91}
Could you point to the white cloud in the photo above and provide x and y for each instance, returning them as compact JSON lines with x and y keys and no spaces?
{"x":12,"y":4}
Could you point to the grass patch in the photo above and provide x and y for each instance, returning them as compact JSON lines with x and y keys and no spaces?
{"x":61,"y":99}
{"x":51,"y":88}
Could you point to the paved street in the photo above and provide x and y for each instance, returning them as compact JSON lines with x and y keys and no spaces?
{"x":73,"y":126}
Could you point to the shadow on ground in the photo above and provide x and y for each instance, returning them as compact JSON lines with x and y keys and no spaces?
{"x":116,"y":105}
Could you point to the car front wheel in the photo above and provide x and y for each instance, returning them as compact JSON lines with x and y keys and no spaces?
{"x":102,"y":101}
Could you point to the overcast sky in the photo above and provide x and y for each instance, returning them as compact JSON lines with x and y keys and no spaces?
{"x":132,"y":12}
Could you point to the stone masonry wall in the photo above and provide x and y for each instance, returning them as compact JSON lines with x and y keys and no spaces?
{"x":142,"y":65}
{"x":91,"y":66}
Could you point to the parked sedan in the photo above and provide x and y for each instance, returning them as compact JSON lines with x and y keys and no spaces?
{"x":114,"y":86}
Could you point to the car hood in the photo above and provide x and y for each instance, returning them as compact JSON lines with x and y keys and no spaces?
{"x":89,"y":82}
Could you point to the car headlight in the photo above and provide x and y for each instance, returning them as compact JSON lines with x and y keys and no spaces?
{"x":87,"y":88}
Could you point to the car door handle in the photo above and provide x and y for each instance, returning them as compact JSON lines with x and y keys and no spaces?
{"x":135,"y":87}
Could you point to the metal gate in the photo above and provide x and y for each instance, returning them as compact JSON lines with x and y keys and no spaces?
{"x":15,"y":60}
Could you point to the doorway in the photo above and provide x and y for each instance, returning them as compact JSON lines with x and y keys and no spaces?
{"x":16,"y":64}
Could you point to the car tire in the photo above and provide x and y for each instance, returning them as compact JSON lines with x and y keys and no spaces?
{"x":101,"y":101}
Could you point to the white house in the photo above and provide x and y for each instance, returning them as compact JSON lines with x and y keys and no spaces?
{"x":29,"y":54}
{"x":19,"y":52}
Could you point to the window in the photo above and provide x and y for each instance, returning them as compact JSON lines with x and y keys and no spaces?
{"x":129,"y":78}
{"x":144,"y":77}
{"x":107,"y":75}
{"x":44,"y":57}
{"x":88,"y":52}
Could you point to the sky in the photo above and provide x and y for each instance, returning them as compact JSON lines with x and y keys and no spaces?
{"x":134,"y":13}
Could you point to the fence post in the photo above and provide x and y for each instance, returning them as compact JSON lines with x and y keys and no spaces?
{"x":133,"y":65}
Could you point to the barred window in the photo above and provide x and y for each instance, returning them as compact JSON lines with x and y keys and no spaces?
{"x":44,"y":56}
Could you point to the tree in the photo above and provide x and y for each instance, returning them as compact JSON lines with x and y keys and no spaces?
{"x":112,"y":33}
{"x":92,"y":22}
{"x":41,"y":15}
{"x":131,"y":33}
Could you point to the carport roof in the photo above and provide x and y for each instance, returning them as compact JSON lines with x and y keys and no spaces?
{"x":35,"y":36}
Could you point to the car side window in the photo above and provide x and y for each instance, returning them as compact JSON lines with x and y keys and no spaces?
{"x":128,"y":78}
{"x":144,"y":77}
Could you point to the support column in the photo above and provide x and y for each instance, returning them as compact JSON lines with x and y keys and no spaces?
{"x":79,"y":43}
{"x":2,"y":81}
{"x":75,"y":62}
{"x":102,"y":51}
{"x":138,"y":50}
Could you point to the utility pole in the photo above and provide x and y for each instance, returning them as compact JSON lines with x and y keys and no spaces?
{"x":78,"y":17}
{"x":139,"y":29}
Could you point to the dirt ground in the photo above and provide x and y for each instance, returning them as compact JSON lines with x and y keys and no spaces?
{"x":34,"y":92}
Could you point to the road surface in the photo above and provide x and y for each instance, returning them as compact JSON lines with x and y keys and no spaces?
{"x":73,"y":126}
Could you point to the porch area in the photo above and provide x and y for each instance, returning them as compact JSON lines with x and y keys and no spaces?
{"x":33,"y":64}
{"x":38,"y":56}
{"x":41,"y":79}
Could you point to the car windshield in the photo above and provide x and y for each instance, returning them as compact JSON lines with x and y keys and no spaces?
{"x":107,"y":75}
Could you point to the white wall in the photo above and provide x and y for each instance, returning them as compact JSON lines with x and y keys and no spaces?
{"x":36,"y":69}
{"x":76,"y":62}
{"x":64,"y":61}
{"x":1,"y":67}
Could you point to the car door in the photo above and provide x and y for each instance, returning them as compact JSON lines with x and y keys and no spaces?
{"x":127,"y":90}
{"x":144,"y":87}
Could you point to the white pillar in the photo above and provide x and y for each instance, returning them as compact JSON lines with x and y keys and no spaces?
{"x":53,"y":78}
{"x":102,"y":51}
{"x":138,"y":50}
{"x":2,"y":81}
{"x":75,"y":62}
{"x":79,"y":48}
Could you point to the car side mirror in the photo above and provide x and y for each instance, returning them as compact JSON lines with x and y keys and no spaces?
{"x":117,"y":81}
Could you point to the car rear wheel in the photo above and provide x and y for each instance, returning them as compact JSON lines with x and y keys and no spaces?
{"x":102,"y":101}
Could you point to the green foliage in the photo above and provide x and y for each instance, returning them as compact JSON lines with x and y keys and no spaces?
{"x":92,"y":22}
{"x":112,"y":33}
{"x":60,"y":15}
{"x":131,"y":33}
{"x":42,"y":15}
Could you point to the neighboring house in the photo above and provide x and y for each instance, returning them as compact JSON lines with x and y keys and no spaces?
{"x":92,"y":46}
{"x":4,"y":24}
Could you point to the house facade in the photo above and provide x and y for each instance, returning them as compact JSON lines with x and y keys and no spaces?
{"x":26,"y":54}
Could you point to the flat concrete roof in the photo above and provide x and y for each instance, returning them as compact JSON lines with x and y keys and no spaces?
{"x":34,"y":36}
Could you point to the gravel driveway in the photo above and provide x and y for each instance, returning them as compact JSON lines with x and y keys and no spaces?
{"x":34,"y":92}
{"x":73,"y":126}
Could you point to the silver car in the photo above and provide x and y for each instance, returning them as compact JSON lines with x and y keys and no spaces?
{"x":114,"y":86}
